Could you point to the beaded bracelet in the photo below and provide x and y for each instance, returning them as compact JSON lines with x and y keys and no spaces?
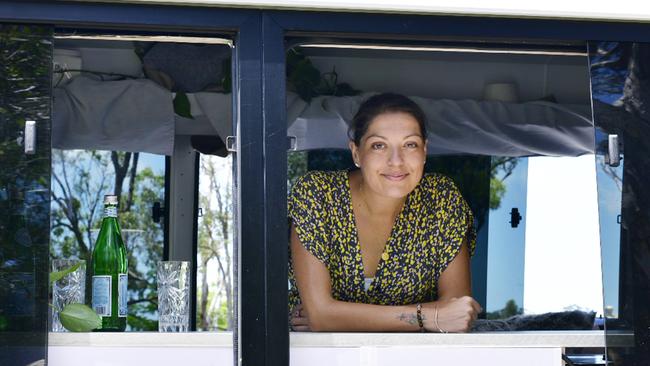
{"x":418,"y":313}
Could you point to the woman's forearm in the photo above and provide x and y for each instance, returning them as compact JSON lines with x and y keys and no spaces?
{"x":341,"y":316}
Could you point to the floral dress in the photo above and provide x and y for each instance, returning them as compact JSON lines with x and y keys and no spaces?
{"x":426,"y":237}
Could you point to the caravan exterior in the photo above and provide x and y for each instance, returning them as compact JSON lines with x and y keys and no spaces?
{"x":202,"y":114}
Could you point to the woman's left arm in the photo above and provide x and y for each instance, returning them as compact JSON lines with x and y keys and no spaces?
{"x":456,"y":279}
{"x":455,"y":303}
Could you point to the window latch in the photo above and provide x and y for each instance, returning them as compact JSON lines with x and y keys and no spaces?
{"x":30,"y":137}
{"x":292,"y":143}
{"x":231,"y":144}
{"x":613,"y":155}
{"x":515,"y":217}
{"x":157,"y":211}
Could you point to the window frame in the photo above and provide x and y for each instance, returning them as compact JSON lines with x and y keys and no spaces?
{"x":262,"y":337}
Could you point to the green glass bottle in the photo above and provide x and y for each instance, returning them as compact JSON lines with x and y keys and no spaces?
{"x":109,"y":269}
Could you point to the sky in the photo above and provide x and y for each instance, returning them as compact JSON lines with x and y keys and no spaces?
{"x":552,"y":261}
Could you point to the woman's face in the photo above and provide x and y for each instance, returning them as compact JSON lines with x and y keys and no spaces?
{"x":391,"y":154}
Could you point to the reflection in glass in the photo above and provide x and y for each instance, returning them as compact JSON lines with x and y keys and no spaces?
{"x":25,"y":60}
{"x":619,"y":74}
{"x":71,"y":289}
{"x":505,"y":275}
{"x":173,"y":287}
{"x":215,"y":245}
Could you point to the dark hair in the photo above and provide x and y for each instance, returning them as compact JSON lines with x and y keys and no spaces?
{"x":384,"y":103}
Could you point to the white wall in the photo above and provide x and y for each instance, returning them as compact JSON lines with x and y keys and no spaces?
{"x":577,"y":9}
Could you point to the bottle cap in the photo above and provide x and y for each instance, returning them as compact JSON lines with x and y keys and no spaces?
{"x":110,"y":199}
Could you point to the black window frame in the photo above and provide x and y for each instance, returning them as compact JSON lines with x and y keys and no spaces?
{"x":259,"y":65}
{"x":258,"y":339}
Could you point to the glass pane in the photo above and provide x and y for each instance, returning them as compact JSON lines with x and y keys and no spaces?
{"x":507,"y":237}
{"x":80,"y":179}
{"x":512,"y":130}
{"x":562,"y":231}
{"x":620,"y":88}
{"x":25,"y":58}
{"x":132,"y":117}
{"x":215,"y":245}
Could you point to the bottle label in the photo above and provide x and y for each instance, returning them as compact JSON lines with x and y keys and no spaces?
{"x":122,"y":294}
{"x":102,"y":295}
{"x":110,"y":211}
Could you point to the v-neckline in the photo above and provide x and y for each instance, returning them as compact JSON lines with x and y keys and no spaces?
{"x":357,"y":243}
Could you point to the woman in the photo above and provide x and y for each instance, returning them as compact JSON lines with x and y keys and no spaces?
{"x":384,"y":247}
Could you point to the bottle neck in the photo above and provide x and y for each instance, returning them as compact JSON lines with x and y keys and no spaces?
{"x":110,"y":211}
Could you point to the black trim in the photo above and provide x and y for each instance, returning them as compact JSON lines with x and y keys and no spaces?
{"x":254,"y":335}
{"x":275,"y":182}
{"x":390,"y":26}
{"x":168,"y":164}
{"x":195,"y":241}
{"x":262,"y":337}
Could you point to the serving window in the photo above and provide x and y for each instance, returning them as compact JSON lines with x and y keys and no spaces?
{"x":529,"y":167}
{"x":510,"y":122}
{"x":131,"y":117}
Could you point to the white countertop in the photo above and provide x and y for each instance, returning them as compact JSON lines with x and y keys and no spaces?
{"x":593,"y":338}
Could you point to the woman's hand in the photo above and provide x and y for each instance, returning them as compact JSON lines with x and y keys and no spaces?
{"x":455,"y":315}
{"x":299,"y":319}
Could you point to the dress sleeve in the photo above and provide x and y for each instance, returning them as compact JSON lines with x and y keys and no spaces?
{"x":456,"y":223}
{"x":308,"y":213}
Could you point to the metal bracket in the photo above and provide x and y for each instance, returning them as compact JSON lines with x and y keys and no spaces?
{"x":292,"y":143}
{"x":515,"y":217}
{"x":231,"y":143}
{"x":30,"y":137}
{"x":613,"y":155}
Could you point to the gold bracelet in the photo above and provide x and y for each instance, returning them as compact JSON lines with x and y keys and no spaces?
{"x":435,"y":319}
{"x":418,"y":314}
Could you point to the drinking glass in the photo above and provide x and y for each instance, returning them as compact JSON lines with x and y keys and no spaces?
{"x":173,"y":296}
{"x":70,"y":289}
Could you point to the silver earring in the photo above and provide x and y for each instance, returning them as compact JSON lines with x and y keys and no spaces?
{"x":357,"y":164}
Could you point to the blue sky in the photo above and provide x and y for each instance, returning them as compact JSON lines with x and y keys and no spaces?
{"x":564,"y":269}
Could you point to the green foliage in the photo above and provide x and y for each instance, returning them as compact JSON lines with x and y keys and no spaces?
{"x":222,"y":317}
{"x":497,"y":190}
{"x":329,"y":159}
{"x":55,"y":276}
{"x":501,"y":168}
{"x":4,"y":323}
{"x":182,"y":105}
{"x":79,"y":318}
{"x":296,"y":166}
{"x":304,"y":79}
{"x":510,"y":309}
{"x":140,"y":322}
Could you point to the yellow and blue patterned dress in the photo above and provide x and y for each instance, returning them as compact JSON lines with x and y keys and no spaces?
{"x":425,"y":238}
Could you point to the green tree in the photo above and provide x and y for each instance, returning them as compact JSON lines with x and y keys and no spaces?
{"x":510,"y":309}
